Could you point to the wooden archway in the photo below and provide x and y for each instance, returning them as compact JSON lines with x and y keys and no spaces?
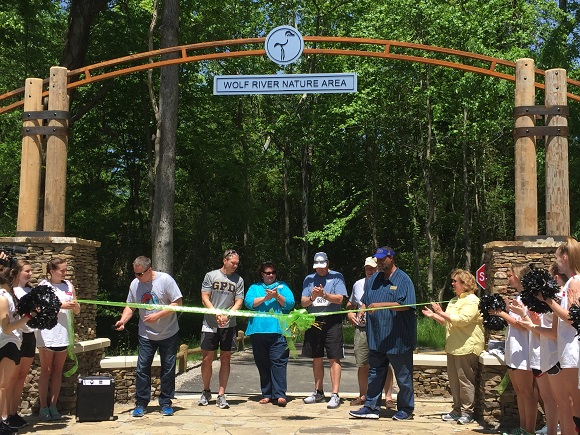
{"x":322,"y":45}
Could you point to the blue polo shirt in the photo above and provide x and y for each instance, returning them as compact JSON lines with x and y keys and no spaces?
{"x":389,"y":331}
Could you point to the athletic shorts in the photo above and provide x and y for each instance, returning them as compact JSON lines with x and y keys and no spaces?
{"x":327,"y":337}
{"x":10,"y":351}
{"x":28,"y":346}
{"x":224,"y":339}
{"x":361,"y":347}
{"x":56,"y":348}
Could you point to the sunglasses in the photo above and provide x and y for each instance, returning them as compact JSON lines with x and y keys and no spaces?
{"x":269,"y":273}
{"x":140,"y":274}
{"x":229,"y":253}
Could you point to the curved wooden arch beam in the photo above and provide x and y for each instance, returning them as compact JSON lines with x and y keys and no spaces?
{"x":363,"y":47}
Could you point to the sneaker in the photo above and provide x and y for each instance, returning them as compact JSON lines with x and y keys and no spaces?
{"x":15,"y":421}
{"x":365,"y":412}
{"x":402,"y":415}
{"x":139,"y":411}
{"x":221,"y":402}
{"x":166,"y":411}
{"x":6,"y":430}
{"x":334,"y":401}
{"x":54,"y":414}
{"x":314,"y":398}
{"x":544,"y":430}
{"x":464,"y":419}
{"x":44,"y":414}
{"x":452,"y":416}
{"x":205,"y":398}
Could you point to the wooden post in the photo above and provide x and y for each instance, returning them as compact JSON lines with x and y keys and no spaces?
{"x":182,"y":358}
{"x":526,"y":184}
{"x":56,"y":155}
{"x":30,"y":166}
{"x":557,"y":185}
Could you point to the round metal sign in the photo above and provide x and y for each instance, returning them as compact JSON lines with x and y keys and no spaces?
{"x":284,"y":45}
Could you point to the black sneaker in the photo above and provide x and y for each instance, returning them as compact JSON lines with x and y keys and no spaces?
{"x":6,"y":430}
{"x":15,"y":421}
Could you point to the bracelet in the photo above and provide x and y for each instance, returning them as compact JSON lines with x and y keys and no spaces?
{"x":324,"y":295}
{"x":524,"y":316}
{"x":311,"y":300}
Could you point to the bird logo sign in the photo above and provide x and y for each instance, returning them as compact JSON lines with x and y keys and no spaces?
{"x":284,"y":45}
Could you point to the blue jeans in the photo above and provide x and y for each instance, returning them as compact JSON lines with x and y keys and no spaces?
{"x":271,"y":357}
{"x":167,"y":351}
{"x":403,"y":370}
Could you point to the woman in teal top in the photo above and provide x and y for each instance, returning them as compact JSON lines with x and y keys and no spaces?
{"x":268,"y":342}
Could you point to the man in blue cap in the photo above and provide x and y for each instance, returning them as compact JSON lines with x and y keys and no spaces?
{"x":324,"y":291}
{"x":391,"y":335}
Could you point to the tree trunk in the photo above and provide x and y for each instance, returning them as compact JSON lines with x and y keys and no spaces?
{"x":163,"y":206}
{"x":307,"y":151}
{"x":426,"y":168}
{"x":286,"y":201}
{"x":466,"y":210}
{"x":81,"y":16}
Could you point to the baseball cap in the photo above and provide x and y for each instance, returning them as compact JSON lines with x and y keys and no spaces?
{"x":370,"y":261}
{"x":320,"y":260}
{"x":383,"y":252}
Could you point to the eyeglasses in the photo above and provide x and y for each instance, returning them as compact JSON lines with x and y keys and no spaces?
{"x":456,"y":280}
{"x":269,"y":273}
{"x":140,"y":274}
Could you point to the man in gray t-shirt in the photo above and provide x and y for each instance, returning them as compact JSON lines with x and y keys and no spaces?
{"x":157,"y":331}
{"x":222,"y":288}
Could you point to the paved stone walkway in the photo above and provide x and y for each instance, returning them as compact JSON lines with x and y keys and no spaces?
{"x":247,"y":417}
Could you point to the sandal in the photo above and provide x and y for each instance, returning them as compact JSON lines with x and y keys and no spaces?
{"x":264,"y":400}
{"x":359,"y":401}
{"x":281,"y":402}
{"x":390,"y":404}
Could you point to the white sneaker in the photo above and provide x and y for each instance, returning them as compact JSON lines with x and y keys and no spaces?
{"x":314,"y":398}
{"x":544,"y":430}
{"x":205,"y":398}
{"x":334,"y":401}
{"x":221,"y":402}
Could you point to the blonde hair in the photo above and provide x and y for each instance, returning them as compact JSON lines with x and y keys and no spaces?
{"x":519,"y":270}
{"x":466,"y":278}
{"x":571,"y":248}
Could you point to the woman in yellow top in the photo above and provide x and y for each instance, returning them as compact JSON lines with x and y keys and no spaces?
{"x":463,"y":343}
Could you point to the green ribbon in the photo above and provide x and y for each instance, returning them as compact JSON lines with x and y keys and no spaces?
{"x":503,"y":384}
{"x":291,"y":324}
{"x":70,"y":348}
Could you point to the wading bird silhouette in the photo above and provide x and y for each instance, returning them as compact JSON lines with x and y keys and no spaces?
{"x":288,"y":34}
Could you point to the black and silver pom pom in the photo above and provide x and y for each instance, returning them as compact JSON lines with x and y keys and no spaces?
{"x":492,"y":302}
{"x":45,"y":303}
{"x":538,"y":282}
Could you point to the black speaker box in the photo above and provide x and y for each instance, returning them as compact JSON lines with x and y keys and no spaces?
{"x":95,"y":398}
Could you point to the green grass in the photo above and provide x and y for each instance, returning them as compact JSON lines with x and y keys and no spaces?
{"x":430,"y":334}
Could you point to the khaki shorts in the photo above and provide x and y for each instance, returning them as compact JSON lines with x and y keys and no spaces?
{"x":361,"y":347}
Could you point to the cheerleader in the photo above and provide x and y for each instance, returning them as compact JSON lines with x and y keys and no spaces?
{"x":19,"y":276}
{"x":10,"y":341}
{"x":53,"y":343}
{"x":518,"y":357}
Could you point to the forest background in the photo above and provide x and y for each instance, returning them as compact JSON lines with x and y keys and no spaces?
{"x":421,"y":158}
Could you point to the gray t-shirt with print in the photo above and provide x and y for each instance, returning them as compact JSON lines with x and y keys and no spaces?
{"x":162,"y":290}
{"x":224,"y":290}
